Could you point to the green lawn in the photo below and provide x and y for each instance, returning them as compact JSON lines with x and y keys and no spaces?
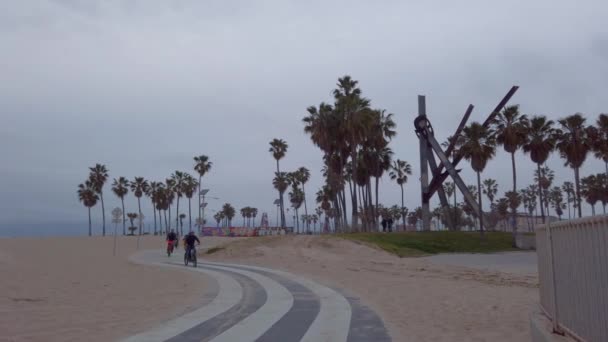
{"x":424,"y":243}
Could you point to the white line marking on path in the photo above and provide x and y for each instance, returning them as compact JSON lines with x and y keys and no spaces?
{"x":279,"y":301}
{"x":332,"y":324}
{"x":230,"y":293}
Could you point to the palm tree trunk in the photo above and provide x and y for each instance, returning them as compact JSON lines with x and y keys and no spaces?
{"x":569,"y":215}
{"x":181,"y":232}
{"x":90,"y":227}
{"x":376,"y":208}
{"x":139,"y":217}
{"x":577,"y":184}
{"x":190,"y":213}
{"x":167,"y":228}
{"x":103,"y":214}
{"x":169,"y":209}
{"x":124,"y":229}
{"x":305,"y":208}
{"x":402,"y":205}
{"x":540,"y":194}
{"x":200,"y":216}
{"x":479,"y":199}
{"x":281,"y":202}
{"x":154,"y":212}
{"x":593,"y":209}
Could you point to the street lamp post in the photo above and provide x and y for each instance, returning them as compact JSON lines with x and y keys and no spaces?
{"x":277,"y":202}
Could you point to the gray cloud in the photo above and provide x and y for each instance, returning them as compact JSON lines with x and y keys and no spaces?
{"x":143,"y":86}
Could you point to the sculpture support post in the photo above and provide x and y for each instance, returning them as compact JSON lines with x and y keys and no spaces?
{"x":424,"y":170}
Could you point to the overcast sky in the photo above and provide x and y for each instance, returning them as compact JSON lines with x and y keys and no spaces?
{"x":144,"y":86}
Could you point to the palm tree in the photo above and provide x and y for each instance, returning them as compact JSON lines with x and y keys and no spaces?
{"x":281,"y":183}
{"x":278,"y":148}
{"x":202,"y":166}
{"x":296,"y":197}
{"x":244,"y":212}
{"x":544,"y":177}
{"x":229,"y":212}
{"x":556,"y":199}
{"x":139,"y":187}
{"x":510,"y":129}
{"x":590,"y":190}
{"x":132,"y":216}
{"x":400,"y":170}
{"x":254,"y":213}
{"x":574,"y":144}
{"x":179,"y":178}
{"x":303,"y":175}
{"x":98,"y":177}
{"x":87,"y":194}
{"x":540,"y":142}
{"x":120,"y":187}
{"x":490,"y":189}
{"x":477,"y":144}
{"x":568,"y":189}
{"x":169,"y":197}
{"x":189,"y":188}
{"x":218,"y":218}
{"x":152,"y":192}
{"x":600,"y":139}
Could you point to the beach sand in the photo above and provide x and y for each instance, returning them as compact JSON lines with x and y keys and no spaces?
{"x":73,"y":289}
{"x":418,"y":299}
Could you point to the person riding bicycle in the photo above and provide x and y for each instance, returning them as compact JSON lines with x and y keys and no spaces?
{"x":172,"y":237}
{"x":189,"y":241}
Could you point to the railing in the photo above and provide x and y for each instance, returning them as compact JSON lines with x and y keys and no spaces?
{"x":573,"y":274}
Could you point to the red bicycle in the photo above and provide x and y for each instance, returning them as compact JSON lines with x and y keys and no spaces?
{"x":170,"y":247}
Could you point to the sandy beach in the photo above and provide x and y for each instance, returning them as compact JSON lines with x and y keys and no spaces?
{"x":418,"y":299}
{"x":73,"y":289}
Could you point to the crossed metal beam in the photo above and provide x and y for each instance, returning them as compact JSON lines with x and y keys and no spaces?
{"x":429,"y":147}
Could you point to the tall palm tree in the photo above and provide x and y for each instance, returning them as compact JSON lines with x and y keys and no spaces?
{"x":600,"y":139}
{"x":544,"y":177}
{"x":278,"y":149}
{"x":218,"y":218}
{"x":120,"y":187}
{"x":590,"y":190}
{"x":254,"y":213}
{"x":556,"y":199}
{"x":400,"y":170}
{"x":490,"y":189}
{"x":202,"y":166}
{"x":244,"y":212}
{"x":303,"y":176}
{"x":510,"y":129}
{"x":540,"y":142}
{"x":574,"y":144}
{"x":229,"y":212}
{"x":281,"y":183}
{"x":189,"y":189}
{"x":152,"y":192}
{"x":169,"y":197}
{"x":568,"y":189}
{"x":477,"y":144}
{"x":296,"y":197}
{"x":87,"y":194}
{"x":139,"y":186}
{"x":98,"y":176}
{"x":180,"y":179}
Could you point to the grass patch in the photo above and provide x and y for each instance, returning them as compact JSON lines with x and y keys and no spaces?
{"x":214,"y":249}
{"x":423,"y":243}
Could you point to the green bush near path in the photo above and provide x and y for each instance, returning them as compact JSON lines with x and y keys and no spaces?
{"x":408,"y":244}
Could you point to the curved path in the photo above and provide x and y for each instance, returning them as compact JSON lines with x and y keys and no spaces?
{"x":260,"y":304}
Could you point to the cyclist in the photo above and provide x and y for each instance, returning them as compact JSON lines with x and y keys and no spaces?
{"x":189,"y":241}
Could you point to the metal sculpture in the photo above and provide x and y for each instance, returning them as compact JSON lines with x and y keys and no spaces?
{"x":429,"y":147}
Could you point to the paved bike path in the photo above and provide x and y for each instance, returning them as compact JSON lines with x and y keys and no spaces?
{"x":261,"y":304}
